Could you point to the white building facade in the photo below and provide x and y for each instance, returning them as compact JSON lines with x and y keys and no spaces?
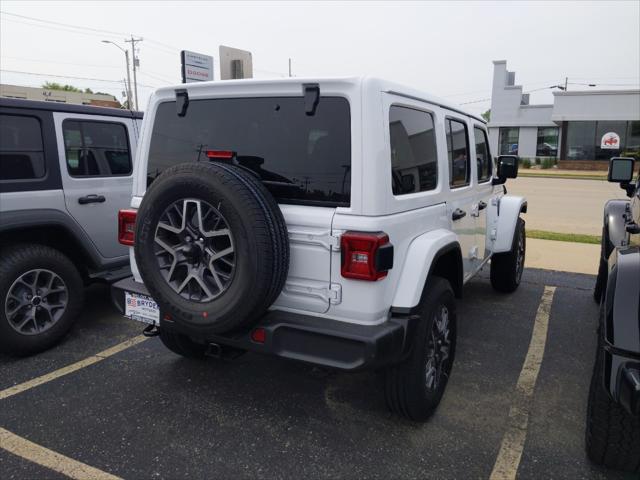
{"x":581,"y":129}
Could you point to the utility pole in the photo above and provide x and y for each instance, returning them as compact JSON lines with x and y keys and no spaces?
{"x":289,"y":67}
{"x":136,"y":63}
{"x":128,"y":84}
{"x":566,"y":83}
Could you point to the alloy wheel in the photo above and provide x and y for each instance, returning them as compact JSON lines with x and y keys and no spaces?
{"x":195,"y":250}
{"x":438,"y":349}
{"x":36,"y":301}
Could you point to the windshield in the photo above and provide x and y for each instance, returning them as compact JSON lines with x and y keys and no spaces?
{"x":300,"y":158}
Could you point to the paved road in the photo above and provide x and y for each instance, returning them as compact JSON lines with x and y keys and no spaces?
{"x":147,"y":413}
{"x":565,"y":205}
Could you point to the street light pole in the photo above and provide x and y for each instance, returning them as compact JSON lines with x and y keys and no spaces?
{"x":133,"y":42}
{"x":126,"y":56}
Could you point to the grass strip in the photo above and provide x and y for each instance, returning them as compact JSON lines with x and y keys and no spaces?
{"x":602,"y":178}
{"x":564,"y":237}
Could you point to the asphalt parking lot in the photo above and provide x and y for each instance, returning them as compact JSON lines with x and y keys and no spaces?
{"x":146,"y":413}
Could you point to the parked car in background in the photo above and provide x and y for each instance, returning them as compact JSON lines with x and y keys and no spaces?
{"x":65,"y":171}
{"x":330,"y":221}
{"x":613,"y":419}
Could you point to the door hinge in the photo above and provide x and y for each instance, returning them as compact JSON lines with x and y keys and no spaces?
{"x":331,"y":294}
{"x":324,"y":239}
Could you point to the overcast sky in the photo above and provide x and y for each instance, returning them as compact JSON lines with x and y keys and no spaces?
{"x":445,"y":49}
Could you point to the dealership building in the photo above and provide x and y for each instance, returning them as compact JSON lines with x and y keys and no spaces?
{"x":581,"y":129}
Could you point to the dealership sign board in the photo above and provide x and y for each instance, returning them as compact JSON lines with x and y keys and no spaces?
{"x":610,"y":141}
{"x":196,"y":67}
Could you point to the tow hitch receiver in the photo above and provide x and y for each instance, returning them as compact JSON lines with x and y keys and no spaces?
{"x":151,"y":331}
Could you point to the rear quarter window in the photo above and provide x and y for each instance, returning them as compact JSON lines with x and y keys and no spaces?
{"x":21,"y":148}
{"x":302,"y":159}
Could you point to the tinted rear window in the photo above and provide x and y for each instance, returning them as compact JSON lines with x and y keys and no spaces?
{"x":300,"y":158}
{"x":21,"y":151}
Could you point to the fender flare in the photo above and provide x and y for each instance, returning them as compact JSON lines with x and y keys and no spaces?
{"x":422,"y":254}
{"x":509,"y":209}
{"x":16,"y":220}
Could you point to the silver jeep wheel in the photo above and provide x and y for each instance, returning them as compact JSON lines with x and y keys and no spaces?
{"x":36,"y":301}
{"x":195,"y":250}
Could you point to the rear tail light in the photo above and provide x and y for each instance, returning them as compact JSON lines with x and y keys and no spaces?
{"x":220,"y":154}
{"x":127,"y":227}
{"x":366,"y":256}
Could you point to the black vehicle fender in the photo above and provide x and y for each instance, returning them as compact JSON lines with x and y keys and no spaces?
{"x":21,"y":225}
{"x":621,"y":312}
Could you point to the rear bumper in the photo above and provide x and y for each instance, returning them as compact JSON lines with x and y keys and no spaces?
{"x":320,"y":341}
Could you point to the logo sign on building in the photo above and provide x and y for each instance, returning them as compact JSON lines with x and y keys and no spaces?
{"x":196,"y":67}
{"x":610,"y":141}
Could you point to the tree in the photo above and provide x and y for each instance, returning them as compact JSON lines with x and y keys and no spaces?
{"x":486,"y":115}
{"x":58,"y":86}
{"x":88,"y":90}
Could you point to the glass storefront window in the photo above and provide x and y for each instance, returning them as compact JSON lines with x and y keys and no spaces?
{"x":632,"y":148}
{"x":581,"y":140}
{"x":547,"y":144}
{"x":509,"y":140}
{"x":605,"y":127}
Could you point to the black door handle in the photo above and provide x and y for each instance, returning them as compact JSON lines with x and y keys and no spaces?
{"x":482,"y":205}
{"x":458,"y":214}
{"x":91,"y":199}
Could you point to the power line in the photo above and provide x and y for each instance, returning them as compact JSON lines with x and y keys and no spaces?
{"x":98,"y":30}
{"x":58,"y":63}
{"x":40,"y":74}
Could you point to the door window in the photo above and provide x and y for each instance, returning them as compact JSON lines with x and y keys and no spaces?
{"x":21,"y":150}
{"x":96,"y":148}
{"x":458,"y":151}
{"x":483,"y":157}
{"x":414,"y":160}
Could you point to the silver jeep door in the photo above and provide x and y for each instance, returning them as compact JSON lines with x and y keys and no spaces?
{"x":96,"y":164}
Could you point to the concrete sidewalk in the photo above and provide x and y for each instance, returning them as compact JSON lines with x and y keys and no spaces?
{"x":562,"y":256}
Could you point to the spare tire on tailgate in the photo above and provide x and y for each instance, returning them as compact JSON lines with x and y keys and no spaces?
{"x":211,"y":246}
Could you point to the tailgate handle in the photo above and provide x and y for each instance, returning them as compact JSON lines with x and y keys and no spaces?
{"x":458,"y":214}
{"x":91,"y":199}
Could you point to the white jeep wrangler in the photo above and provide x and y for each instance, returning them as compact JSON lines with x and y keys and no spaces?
{"x":331,"y":221}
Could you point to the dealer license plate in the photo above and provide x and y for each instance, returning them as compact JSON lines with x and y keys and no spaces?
{"x":141,"y":308}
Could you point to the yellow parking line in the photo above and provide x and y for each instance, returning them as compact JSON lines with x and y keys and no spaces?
{"x":508,"y":460}
{"x":98,"y":357}
{"x":50,"y":459}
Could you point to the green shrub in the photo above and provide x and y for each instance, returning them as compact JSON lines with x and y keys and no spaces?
{"x":548,"y":163}
{"x":525,"y":163}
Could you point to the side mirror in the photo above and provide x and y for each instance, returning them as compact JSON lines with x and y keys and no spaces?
{"x":507,"y":168}
{"x":621,"y":171}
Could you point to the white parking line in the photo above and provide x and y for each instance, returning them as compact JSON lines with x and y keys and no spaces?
{"x":50,"y":459}
{"x":508,"y":460}
{"x":98,"y":357}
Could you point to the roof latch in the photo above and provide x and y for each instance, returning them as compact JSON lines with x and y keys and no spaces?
{"x":311,"y":97}
{"x":182,"y":102}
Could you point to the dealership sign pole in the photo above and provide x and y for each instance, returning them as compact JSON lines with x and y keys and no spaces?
{"x":196,"y":67}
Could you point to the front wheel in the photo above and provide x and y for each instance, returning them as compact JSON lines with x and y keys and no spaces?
{"x":414,"y":388}
{"x":507,"y":267}
{"x":612,"y":435}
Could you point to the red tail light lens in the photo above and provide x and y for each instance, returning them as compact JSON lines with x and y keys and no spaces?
{"x":366,"y":256}
{"x":220,"y":154}
{"x":127,"y":227}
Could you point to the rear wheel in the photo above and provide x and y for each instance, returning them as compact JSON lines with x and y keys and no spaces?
{"x":182,"y":345}
{"x":612,"y":434}
{"x":42,"y":294}
{"x":507,"y":267}
{"x":415,"y":387}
